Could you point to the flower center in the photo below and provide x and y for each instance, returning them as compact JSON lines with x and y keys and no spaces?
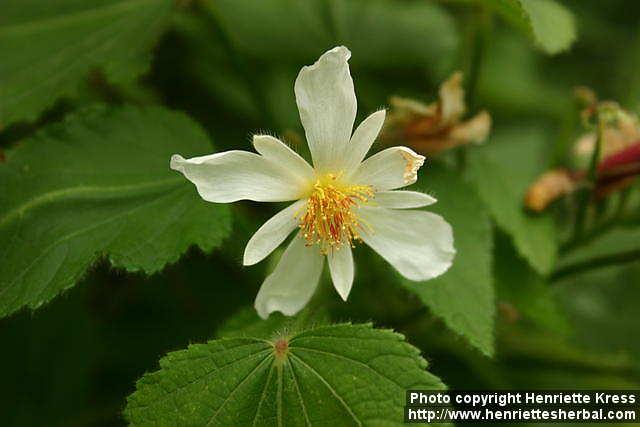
{"x":329,"y":218}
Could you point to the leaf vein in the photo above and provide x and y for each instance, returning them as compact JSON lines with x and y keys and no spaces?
{"x":329,"y":387}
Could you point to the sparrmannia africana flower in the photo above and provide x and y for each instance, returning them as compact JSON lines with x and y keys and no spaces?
{"x":339,"y":201}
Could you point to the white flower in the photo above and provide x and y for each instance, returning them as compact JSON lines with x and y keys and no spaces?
{"x":338,"y":200}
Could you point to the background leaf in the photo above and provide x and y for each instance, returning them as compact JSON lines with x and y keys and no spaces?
{"x":352,"y":373}
{"x":464,"y":295}
{"x":421,"y":34}
{"x":602,"y":306}
{"x":549,"y":24}
{"x":522,"y":289}
{"x":98,"y":184}
{"x":618,"y":240}
{"x":49,"y":48}
{"x":415,"y":34}
{"x":230,"y":65}
{"x":74,"y":361}
{"x":514,"y":81}
{"x":404,"y":41}
{"x":502,"y":171}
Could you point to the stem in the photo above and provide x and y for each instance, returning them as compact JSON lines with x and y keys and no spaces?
{"x":586,"y":195}
{"x":587,"y":237}
{"x":622,"y":203}
{"x":595,"y":157}
{"x":479,"y":35}
{"x":594,"y":263}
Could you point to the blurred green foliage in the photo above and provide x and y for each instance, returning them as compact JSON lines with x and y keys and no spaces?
{"x":557,"y":319}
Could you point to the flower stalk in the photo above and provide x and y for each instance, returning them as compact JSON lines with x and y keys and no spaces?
{"x":610,"y":155}
{"x":588,"y":193}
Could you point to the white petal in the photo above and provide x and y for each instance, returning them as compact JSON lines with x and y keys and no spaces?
{"x":389,"y":169}
{"x":402,"y":199}
{"x":418,"y":244}
{"x":327,"y":105}
{"x":341,"y":268}
{"x":278,"y":152}
{"x":236,"y":175}
{"x":272,"y":233}
{"x":362,"y":140}
{"x":293,"y":282}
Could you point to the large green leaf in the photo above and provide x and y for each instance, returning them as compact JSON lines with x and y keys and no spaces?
{"x":332,"y":375}
{"x":381,"y":33}
{"x":48,"y":48}
{"x":502,"y":170}
{"x":99,"y":184}
{"x":296,"y":30}
{"x":253,"y":75}
{"x":464,"y":295}
{"x":514,"y":81}
{"x":393,"y":34}
{"x":549,"y":24}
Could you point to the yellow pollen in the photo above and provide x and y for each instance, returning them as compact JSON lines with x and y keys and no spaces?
{"x":329,"y":219}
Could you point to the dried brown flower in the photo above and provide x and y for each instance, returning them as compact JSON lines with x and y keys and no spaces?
{"x":436,"y":127}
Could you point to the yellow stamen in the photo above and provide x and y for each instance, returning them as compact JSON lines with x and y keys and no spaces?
{"x":329,"y":219}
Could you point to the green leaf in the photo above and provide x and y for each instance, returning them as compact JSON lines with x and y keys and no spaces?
{"x":207,"y":61}
{"x":524,"y":289}
{"x":501,"y":171}
{"x":626,"y":78}
{"x":602,"y":306}
{"x":99,"y":184}
{"x":513,"y":80}
{"x":380,"y":33}
{"x":392,"y":34}
{"x":549,"y":24}
{"x":49,"y":48}
{"x":254,"y":75}
{"x":297,"y":30}
{"x":464,"y":295}
{"x":541,"y":360}
{"x":345,"y":374}
{"x":618,"y":240}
